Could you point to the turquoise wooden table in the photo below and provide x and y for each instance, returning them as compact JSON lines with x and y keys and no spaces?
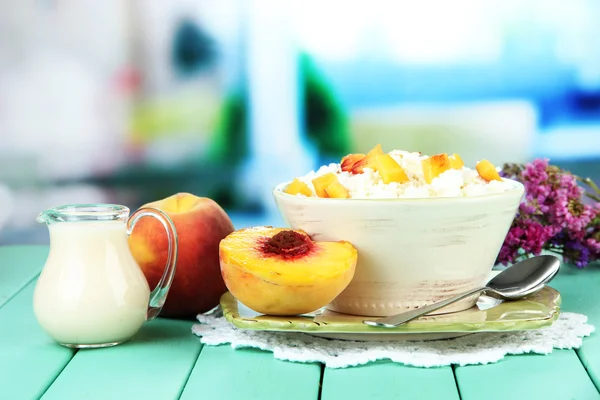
{"x":165,"y":361}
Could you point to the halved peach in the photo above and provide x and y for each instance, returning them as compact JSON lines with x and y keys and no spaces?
{"x":348,"y":161}
{"x":281,"y":271}
{"x":487,"y":171}
{"x":322,"y":182}
{"x":298,"y":187}
{"x":389,"y":169}
{"x":456,"y":162}
{"x":367,"y":161}
{"x":434,"y":166}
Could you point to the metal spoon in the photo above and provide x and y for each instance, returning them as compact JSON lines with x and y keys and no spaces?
{"x":521,"y":279}
{"x":486,"y":304}
{"x":485,"y":301}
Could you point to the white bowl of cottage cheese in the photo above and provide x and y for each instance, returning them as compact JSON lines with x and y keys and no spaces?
{"x":421,"y":237}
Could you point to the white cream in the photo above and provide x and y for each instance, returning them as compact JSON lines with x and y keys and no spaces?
{"x":91,"y":291}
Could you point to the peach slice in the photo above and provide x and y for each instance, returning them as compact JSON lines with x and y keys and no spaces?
{"x":281,"y":271}
{"x":367,"y":161}
{"x":337,"y":191}
{"x":389,"y":169}
{"x":487,"y":171}
{"x":298,"y":187}
{"x":322,"y":182}
{"x":348,"y":161}
{"x":456,"y":162}
{"x":435,"y":165}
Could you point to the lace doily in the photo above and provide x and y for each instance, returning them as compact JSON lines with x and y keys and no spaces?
{"x":480,"y":348}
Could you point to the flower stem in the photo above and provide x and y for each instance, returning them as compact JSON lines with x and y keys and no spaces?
{"x":591,"y":184}
{"x":592,"y":196}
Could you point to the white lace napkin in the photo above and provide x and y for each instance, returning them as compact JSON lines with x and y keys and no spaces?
{"x":479,"y":348}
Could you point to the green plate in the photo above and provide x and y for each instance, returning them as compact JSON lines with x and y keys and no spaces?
{"x":532,"y":312}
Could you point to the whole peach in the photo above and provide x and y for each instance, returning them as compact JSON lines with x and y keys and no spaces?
{"x":201,"y":224}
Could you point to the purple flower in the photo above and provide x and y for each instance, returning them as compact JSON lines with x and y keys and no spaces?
{"x":507,"y":254}
{"x":535,"y":180}
{"x":527,"y":235}
{"x":594,"y":245}
{"x":528,"y":207}
{"x":535,"y":236}
{"x":572,"y":215}
{"x":553,"y":216}
{"x":592,"y":240}
{"x":576,"y":253}
{"x":535,"y":172}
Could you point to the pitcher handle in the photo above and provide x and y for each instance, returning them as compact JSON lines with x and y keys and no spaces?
{"x":159,"y":295}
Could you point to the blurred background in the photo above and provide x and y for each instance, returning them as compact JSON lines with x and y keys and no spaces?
{"x":131,"y":101}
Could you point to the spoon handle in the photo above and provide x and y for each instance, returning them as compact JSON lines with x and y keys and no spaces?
{"x":402,"y":318}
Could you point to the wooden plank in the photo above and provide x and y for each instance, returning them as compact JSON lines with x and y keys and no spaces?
{"x":557,"y":376}
{"x":386,"y":380}
{"x":580,"y":293}
{"x":563,"y":367}
{"x":29,"y":359}
{"x":19,"y":265}
{"x":155,"y":364}
{"x":224,"y":374}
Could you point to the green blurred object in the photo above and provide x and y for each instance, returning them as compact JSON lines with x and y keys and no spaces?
{"x":325,"y":122}
{"x":193,"y":50}
{"x":222,"y":123}
{"x":323,"y":119}
{"x":231,"y":140}
{"x":190,"y":112}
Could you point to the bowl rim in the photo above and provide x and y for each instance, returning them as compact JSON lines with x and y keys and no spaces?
{"x":518,"y":188}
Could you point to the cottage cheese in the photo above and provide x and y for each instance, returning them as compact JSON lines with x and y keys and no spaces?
{"x":451,"y":183}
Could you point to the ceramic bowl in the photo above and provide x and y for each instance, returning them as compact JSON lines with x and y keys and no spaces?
{"x":412,"y":252}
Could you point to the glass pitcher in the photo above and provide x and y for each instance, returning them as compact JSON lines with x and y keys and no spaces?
{"x":91,"y":292}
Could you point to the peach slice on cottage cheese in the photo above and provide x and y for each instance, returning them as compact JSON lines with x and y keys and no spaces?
{"x":337,"y":191}
{"x":368,"y":161}
{"x":348,"y":161}
{"x":456,"y":162}
{"x":435,"y":165}
{"x":487,"y":171}
{"x":323,"y":182}
{"x":389,"y":169}
{"x":298,"y":187}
